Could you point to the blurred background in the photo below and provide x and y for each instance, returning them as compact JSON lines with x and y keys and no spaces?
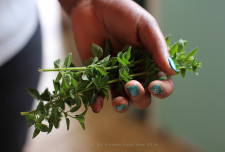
{"x":195,"y":110}
{"x":191,"y":119}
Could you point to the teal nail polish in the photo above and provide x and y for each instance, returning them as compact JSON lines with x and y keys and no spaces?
{"x":133,"y":90}
{"x":120,"y":107}
{"x":157,"y":89}
{"x":172,"y":64}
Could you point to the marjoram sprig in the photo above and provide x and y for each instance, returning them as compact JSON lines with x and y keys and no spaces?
{"x":77,"y":86}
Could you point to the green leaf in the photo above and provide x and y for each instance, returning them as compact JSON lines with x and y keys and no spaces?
{"x":50,"y":127}
{"x":192,"y":53}
{"x":95,"y":60}
{"x":30,"y":119}
{"x":108,"y":47}
{"x":183,"y":71}
{"x":94,"y":96}
{"x":85,"y":77}
{"x":124,"y":75}
{"x":78,"y":105}
{"x":96,"y":81}
{"x":58,"y":63}
{"x":128,"y":53}
{"x":113,"y":61}
{"x":72,"y":93}
{"x":41,"y":118}
{"x":105,"y":92}
{"x":107,"y":87}
{"x":124,"y":59}
{"x":106,"y":59}
{"x":55,"y":117}
{"x":174,"y":49}
{"x":67,"y":79}
{"x":74,"y":82}
{"x":67,"y":123}
{"x":182,"y":44}
{"x":101,"y":69}
{"x":104,"y":80}
{"x":67,"y":61}
{"x":81,"y":120}
{"x":56,"y":86}
{"x":168,"y":40}
{"x":59,"y":76}
{"x":34,"y":93}
{"x":97,"y":51}
{"x":121,"y":61}
{"x":40,"y":107}
{"x":35,"y":133}
{"x":41,"y":127}
{"x":88,"y":62}
{"x":46,"y":95}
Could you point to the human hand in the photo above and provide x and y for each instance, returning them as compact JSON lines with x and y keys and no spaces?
{"x":123,"y":22}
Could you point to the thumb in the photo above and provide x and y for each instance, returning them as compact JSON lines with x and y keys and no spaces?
{"x":152,"y":38}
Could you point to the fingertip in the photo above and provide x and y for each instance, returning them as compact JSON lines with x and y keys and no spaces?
{"x":161,"y":89}
{"x":134,"y":89}
{"x":98,"y":104}
{"x":120,"y":104}
{"x":137,"y":94}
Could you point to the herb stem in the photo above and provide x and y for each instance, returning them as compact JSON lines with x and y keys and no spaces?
{"x":85,"y":68}
{"x":59,"y":99}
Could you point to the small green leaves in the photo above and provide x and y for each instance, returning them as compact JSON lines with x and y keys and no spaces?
{"x":41,"y":127}
{"x":97,"y":51}
{"x":67,"y":61}
{"x":101,"y":69}
{"x":123,"y":58}
{"x":85,"y":77}
{"x":182,"y":44}
{"x":35,"y":133}
{"x":34,"y":93}
{"x":75,"y":87}
{"x":167,"y":38}
{"x":192,"y":53}
{"x":78,"y":104}
{"x":46,"y":95}
{"x":124,"y":74}
{"x":88,"y":62}
{"x":108,"y":48}
{"x":58,"y":63}
{"x":67,"y":123}
{"x":81,"y":120}
{"x":30,"y":119}
{"x":174,"y":49}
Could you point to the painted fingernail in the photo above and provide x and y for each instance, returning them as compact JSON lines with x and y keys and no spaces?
{"x":157,"y":89}
{"x":120,"y":107}
{"x":172,"y":64}
{"x":133,"y":90}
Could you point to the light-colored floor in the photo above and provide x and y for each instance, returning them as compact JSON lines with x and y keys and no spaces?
{"x":107,"y":131}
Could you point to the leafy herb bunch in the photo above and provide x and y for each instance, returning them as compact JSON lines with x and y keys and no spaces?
{"x":75,"y":86}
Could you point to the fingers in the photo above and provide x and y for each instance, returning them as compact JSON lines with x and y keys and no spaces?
{"x":98,"y":104}
{"x":161,"y":89}
{"x":140,"y":97}
{"x":137,"y":94}
{"x":152,"y":38}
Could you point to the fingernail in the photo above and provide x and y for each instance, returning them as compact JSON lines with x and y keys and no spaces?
{"x":120,"y":107}
{"x":157,"y":89}
{"x":133,"y":90}
{"x":172,"y":64}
